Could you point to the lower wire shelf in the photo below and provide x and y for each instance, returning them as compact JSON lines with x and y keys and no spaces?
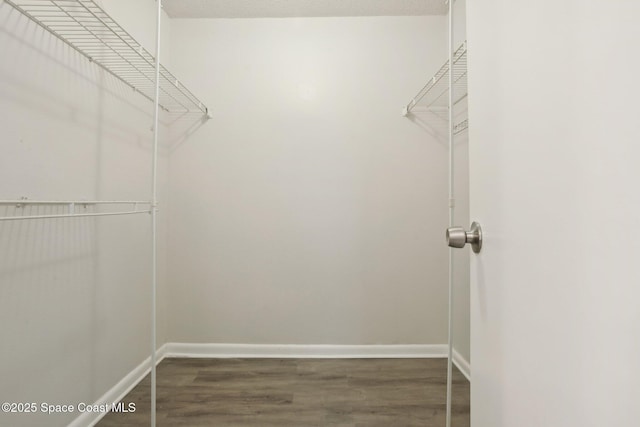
{"x":22,"y":209}
{"x":461,"y":126}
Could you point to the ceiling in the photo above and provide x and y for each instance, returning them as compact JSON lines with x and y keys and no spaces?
{"x":300,"y":8}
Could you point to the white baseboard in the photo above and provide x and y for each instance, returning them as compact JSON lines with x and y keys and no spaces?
{"x":305,"y":351}
{"x":118,"y":391}
{"x":463,"y":364}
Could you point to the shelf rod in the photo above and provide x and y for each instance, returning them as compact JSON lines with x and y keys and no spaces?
{"x":16,"y":218}
{"x":154,"y":219}
{"x":77,"y":202}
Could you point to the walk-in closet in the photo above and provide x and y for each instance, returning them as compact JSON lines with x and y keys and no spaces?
{"x":318,"y":213}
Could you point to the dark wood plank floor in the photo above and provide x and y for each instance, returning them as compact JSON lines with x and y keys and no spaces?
{"x":298,"y":392}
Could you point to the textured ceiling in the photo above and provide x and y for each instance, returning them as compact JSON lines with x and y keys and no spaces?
{"x":300,"y":8}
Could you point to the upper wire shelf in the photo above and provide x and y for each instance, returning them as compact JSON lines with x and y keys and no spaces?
{"x":88,"y":29}
{"x":432,"y":95}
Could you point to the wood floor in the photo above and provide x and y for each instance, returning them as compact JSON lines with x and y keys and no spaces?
{"x":298,"y":392}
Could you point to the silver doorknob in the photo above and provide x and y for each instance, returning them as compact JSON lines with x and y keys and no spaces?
{"x":457,"y":237}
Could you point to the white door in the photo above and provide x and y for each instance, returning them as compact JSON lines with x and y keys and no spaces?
{"x":555,"y":182}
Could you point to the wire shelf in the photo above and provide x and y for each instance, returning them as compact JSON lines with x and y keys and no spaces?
{"x":461,"y":127}
{"x":88,"y":29}
{"x":432,"y":95}
{"x":22,"y":209}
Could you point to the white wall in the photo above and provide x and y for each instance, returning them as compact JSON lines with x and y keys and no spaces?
{"x":554,"y":181}
{"x":74,"y":293}
{"x":308,"y":210}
